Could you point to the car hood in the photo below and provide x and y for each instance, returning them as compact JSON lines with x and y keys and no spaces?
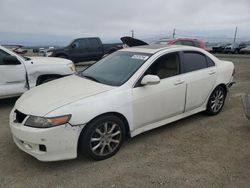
{"x":47,"y":97}
{"x":49,"y":60}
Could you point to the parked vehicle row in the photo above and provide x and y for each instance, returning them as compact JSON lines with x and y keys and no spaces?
{"x":233,"y":48}
{"x":245,"y":50}
{"x":86,"y":49}
{"x":16,"y":48}
{"x":18,"y":73}
{"x":122,"y":95}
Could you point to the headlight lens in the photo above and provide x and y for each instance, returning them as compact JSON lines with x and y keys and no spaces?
{"x":43,"y":122}
{"x":72,"y":67}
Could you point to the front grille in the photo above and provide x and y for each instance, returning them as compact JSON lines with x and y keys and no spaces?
{"x":19,"y":116}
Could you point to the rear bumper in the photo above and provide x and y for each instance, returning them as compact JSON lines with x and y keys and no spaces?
{"x":47,"y":144}
{"x":231,"y":83}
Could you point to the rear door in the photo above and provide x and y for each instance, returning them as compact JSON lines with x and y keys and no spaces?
{"x":200,"y":75}
{"x":12,"y":78}
{"x":95,"y":48}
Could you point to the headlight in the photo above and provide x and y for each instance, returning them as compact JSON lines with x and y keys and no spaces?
{"x":72,"y":67}
{"x":43,"y":122}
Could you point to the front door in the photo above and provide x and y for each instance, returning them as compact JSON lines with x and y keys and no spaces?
{"x":79,"y":50}
{"x":153,"y":103}
{"x":12,"y":78}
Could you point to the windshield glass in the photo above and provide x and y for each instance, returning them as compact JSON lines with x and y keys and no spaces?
{"x":116,"y":68}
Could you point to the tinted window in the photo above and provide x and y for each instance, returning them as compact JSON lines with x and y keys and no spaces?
{"x":83,"y":43}
{"x":166,"y":66}
{"x":196,"y":44}
{"x":194,"y":61}
{"x":116,"y":68}
{"x":76,"y":44}
{"x":210,"y":62}
{"x":178,"y":43}
{"x":2,"y":55}
{"x":187,"y":43}
{"x":93,"y":43}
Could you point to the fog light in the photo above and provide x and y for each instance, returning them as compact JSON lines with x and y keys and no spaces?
{"x":42,"y":147}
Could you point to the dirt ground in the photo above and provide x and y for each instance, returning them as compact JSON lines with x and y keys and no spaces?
{"x":199,"y":151}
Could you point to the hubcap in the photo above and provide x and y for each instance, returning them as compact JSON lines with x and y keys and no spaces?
{"x":105,"y":139}
{"x":217,"y":100}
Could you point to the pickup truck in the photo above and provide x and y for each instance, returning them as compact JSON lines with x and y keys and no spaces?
{"x":18,"y":74}
{"x":86,"y":49}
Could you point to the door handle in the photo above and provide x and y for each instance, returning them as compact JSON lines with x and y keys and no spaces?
{"x":211,"y":72}
{"x":179,"y":82}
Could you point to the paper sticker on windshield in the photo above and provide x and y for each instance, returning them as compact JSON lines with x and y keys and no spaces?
{"x":140,"y":57}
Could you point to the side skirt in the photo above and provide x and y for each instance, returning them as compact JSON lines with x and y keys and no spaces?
{"x":166,"y":121}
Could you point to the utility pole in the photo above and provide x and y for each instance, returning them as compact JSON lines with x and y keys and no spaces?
{"x":132,"y":32}
{"x":174,"y":33}
{"x":235,"y":33}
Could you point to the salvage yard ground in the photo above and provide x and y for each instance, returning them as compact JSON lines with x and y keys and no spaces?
{"x":199,"y":151}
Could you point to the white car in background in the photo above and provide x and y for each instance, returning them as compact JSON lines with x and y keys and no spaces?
{"x":124,"y":94}
{"x":18,"y":73}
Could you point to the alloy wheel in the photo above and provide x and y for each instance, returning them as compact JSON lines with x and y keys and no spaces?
{"x":217,"y":100}
{"x":106,"y":138}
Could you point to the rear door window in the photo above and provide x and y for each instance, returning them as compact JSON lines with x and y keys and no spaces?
{"x":193,"y":61}
{"x":83,"y":43}
{"x":93,"y":43}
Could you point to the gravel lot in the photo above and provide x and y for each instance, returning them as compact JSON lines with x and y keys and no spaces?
{"x":199,"y":151}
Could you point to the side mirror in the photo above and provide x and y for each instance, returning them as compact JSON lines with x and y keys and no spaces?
{"x":11,"y":60}
{"x":150,"y":80}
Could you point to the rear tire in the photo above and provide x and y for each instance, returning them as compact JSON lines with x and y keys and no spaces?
{"x":102,"y":137}
{"x":216,"y":101}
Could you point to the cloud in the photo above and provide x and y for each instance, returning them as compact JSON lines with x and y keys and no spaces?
{"x":114,"y":18}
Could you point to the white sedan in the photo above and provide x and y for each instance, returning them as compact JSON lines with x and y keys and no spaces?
{"x":126,"y":93}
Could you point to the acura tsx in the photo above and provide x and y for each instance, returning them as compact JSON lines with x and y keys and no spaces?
{"x":124,"y":94}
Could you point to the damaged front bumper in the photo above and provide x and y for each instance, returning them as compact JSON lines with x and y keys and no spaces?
{"x":46,"y":144}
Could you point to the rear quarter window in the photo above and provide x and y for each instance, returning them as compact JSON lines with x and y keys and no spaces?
{"x":210,"y":62}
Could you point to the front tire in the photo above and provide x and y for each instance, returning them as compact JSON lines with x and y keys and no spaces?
{"x":216,"y":101}
{"x":102,"y":137}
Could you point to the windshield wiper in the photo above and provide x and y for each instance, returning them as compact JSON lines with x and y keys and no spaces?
{"x":92,"y":78}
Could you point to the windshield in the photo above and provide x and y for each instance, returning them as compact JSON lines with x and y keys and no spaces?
{"x":116,"y":68}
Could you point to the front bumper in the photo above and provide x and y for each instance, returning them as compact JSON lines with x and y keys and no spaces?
{"x":46,"y":144}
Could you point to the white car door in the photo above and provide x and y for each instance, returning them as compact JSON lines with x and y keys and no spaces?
{"x":152,"y":103}
{"x":12,"y":77}
{"x":200,"y":76}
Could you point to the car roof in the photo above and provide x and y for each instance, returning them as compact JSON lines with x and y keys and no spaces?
{"x":154,"y":48}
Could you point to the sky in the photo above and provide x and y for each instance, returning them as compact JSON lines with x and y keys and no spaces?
{"x":59,"y":21}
